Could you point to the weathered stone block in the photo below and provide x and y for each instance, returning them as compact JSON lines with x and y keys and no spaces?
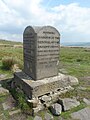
{"x":56,"y":109}
{"x":41,"y":87}
{"x":69,"y":103}
{"x":41,"y":51}
{"x":45,"y":98}
{"x":83,"y":114}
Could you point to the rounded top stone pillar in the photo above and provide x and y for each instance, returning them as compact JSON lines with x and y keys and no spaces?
{"x":41,"y":51}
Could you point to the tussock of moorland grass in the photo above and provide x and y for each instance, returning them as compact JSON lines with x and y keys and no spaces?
{"x":9,"y":62}
{"x":11,"y":52}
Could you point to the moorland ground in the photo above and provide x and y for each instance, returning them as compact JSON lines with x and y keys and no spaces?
{"x":73,"y":61}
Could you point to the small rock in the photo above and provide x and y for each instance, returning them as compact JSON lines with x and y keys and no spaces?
{"x":14,"y":112}
{"x":82,"y":88}
{"x":37,"y":118}
{"x":48,"y":116}
{"x":38,"y":108}
{"x":46,"y":98}
{"x":34,"y":102}
{"x":1,"y":115}
{"x":2,"y":76}
{"x":56,"y":109}
{"x":15,"y":68}
{"x":69,"y":103}
{"x":69,"y":88}
{"x":5,"y":106}
{"x":73,"y":80}
{"x":3,"y":91}
{"x":63,"y":71}
{"x":86,"y":101}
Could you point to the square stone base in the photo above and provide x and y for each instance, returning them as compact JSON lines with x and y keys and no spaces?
{"x":41,"y":87}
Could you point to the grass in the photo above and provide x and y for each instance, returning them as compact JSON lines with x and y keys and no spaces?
{"x":11,"y":52}
{"x":4,"y":114}
{"x":21,"y":99}
{"x":75,"y":61}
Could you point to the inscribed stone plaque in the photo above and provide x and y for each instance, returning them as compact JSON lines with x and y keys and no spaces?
{"x":41,"y":51}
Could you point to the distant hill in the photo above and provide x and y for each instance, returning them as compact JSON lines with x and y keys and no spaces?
{"x":10,"y":42}
{"x":78,"y":44}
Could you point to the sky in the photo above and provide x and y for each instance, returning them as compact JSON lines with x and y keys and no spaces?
{"x":70,"y":17}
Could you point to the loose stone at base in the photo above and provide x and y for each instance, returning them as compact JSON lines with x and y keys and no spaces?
{"x":38,"y":108}
{"x":73,"y":80}
{"x":68,"y":103}
{"x":83,"y":114}
{"x":86,"y":101}
{"x":45,"y":98}
{"x":14,"y":112}
{"x":33,"y":102}
{"x":56,"y":109}
{"x":3,"y":91}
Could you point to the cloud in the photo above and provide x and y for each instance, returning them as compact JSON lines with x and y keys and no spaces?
{"x":71,"y":15}
{"x":72,"y":20}
{"x":75,"y":21}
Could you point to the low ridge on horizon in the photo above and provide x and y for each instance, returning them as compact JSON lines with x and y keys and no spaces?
{"x":81,"y":44}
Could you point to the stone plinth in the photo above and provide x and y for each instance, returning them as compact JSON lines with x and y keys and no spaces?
{"x":41,"y":87}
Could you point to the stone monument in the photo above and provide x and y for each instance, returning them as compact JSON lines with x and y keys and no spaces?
{"x":40,"y":80}
{"x":41,"y":51}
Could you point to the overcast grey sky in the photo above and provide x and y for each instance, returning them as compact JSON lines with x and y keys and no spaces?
{"x":70,"y":17}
